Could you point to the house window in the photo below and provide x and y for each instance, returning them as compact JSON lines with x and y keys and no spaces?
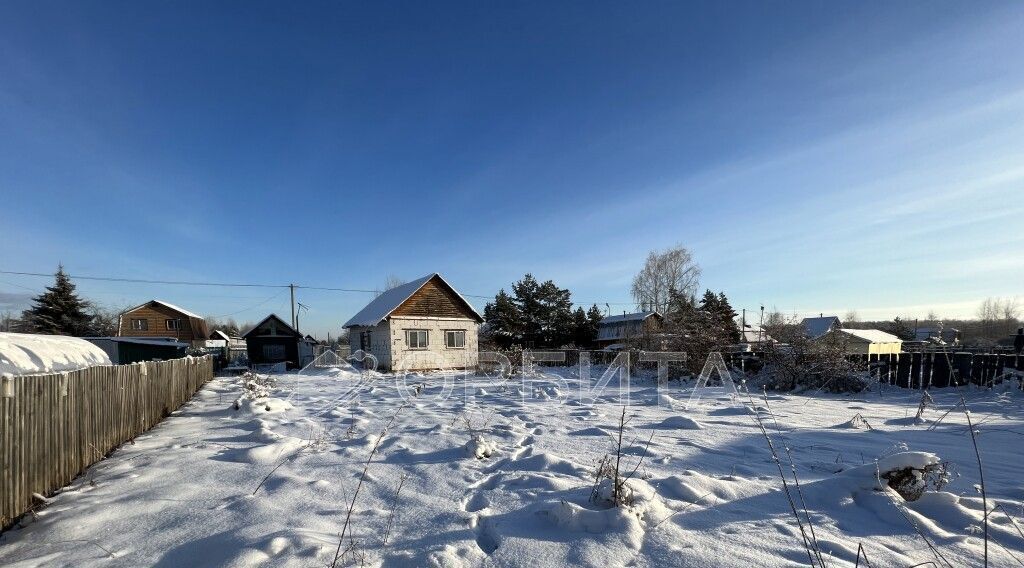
{"x":173,"y":324}
{"x":273,"y":352}
{"x":416,"y":338}
{"x":455,"y":339}
{"x":365,"y":340}
{"x":140,"y":324}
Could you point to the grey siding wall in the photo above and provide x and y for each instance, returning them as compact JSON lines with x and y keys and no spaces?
{"x":380,"y":342}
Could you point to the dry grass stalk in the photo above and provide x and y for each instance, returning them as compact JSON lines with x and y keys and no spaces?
{"x":339,"y":554}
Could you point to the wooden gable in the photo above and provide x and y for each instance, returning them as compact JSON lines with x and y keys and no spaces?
{"x":272,"y":326}
{"x":435,"y":299}
{"x":156,"y":316}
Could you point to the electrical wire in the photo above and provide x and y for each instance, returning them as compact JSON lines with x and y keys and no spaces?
{"x":252,"y":285}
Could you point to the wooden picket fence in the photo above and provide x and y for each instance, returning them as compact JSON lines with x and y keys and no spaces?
{"x":52,"y":427}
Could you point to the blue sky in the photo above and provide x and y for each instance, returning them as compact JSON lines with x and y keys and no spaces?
{"x":814,"y":156}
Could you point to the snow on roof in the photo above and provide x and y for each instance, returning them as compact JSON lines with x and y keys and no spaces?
{"x":26,"y":354}
{"x":872,"y":335}
{"x":223,"y":336}
{"x":754,"y":334}
{"x":167,"y":305}
{"x":264,"y":320}
{"x":166,"y":341}
{"x":638,"y":316}
{"x":816,"y":327}
{"x":382,"y":306}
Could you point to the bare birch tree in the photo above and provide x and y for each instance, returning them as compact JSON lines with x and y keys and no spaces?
{"x":392,"y":281}
{"x":664,"y":271}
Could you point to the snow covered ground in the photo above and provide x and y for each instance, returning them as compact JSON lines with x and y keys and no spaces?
{"x":271,"y":481}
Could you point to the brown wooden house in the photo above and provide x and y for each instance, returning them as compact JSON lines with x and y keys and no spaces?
{"x":157,"y":318}
{"x":424,"y":324}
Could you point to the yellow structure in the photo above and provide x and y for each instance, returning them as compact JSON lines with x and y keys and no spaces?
{"x":870,"y":341}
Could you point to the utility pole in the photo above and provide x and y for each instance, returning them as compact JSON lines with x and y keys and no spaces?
{"x":292,"y":288}
{"x":298,"y":313}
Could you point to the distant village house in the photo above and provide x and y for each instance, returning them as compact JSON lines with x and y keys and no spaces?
{"x":942,"y":335}
{"x":272,"y":341}
{"x":754,"y":335}
{"x":157,"y":318}
{"x":620,"y":331}
{"x":819,"y":326}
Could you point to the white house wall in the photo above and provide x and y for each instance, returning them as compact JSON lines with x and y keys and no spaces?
{"x":436,"y":355}
{"x":380,"y":342}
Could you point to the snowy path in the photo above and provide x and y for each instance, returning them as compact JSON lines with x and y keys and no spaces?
{"x":182,"y":494}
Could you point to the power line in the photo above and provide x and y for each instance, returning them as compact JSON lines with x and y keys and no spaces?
{"x":274,"y":297}
{"x":336,"y":289}
{"x":142,"y":281}
{"x":252,"y":285}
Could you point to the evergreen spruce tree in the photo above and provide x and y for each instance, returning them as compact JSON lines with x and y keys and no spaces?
{"x":594,"y":317}
{"x":526,"y":294}
{"x":728,"y":317}
{"x":59,"y":310}
{"x":503,"y":319}
{"x":555,"y":315}
{"x":900,"y":329}
{"x":709,"y":303}
{"x":580,"y":332}
{"x":534,"y":315}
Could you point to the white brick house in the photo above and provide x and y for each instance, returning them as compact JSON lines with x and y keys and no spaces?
{"x":424,"y":324}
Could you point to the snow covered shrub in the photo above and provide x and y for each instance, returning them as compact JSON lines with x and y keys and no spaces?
{"x":481,"y":448}
{"x":478,"y":446}
{"x":610,"y":489}
{"x":255,"y":387}
{"x":912,"y":473}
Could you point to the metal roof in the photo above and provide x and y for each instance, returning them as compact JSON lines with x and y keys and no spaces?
{"x":382,"y":306}
{"x":872,"y":335}
{"x":638,"y":316}
{"x":816,"y":327}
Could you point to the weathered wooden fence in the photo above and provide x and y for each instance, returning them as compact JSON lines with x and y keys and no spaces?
{"x":54,"y":426}
{"x":918,"y":370}
{"x":906,"y":369}
{"x":942,"y":369}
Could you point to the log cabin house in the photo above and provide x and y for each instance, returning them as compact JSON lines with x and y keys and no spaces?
{"x":420,"y":325}
{"x":157,"y":318}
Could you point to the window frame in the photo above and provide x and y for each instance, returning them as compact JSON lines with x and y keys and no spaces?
{"x":366,"y":341}
{"x":426,"y":339}
{"x":456,"y":333}
{"x":140,"y":324}
{"x":175,"y":327}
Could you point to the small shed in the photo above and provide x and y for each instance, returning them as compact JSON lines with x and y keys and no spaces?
{"x":273,"y":341}
{"x":870,"y":341}
{"x":125,"y":350}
